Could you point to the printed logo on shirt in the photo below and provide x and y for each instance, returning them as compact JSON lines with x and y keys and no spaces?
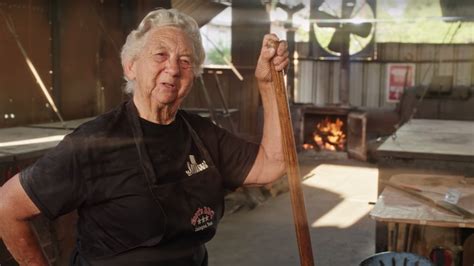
{"x":202,"y":219}
{"x":194,"y":167}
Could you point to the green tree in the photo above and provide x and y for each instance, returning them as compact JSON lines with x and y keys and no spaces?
{"x":215,"y":55}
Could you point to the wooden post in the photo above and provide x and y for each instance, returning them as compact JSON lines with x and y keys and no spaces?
{"x":293,"y":171}
{"x":250,"y":23}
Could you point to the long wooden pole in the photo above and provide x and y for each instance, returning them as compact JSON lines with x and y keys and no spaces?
{"x":293,"y":170}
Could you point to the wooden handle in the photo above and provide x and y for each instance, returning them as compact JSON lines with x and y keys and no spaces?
{"x":293,"y":170}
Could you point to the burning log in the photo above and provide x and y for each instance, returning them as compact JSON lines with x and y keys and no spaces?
{"x":328,"y":135}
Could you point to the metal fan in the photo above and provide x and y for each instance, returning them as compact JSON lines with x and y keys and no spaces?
{"x":350,"y":24}
{"x":341,"y":26}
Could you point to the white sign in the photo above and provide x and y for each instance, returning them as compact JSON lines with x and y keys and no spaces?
{"x":399,"y":77}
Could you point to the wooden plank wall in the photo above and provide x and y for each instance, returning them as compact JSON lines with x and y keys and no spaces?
{"x":75,"y":47}
{"x":21,"y":99}
{"x":317,"y":81}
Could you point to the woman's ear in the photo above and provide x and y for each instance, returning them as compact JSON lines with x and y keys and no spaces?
{"x":129,"y":69}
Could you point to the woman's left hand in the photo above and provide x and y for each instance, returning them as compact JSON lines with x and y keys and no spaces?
{"x":269,"y":55}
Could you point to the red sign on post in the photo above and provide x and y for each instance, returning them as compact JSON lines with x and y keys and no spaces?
{"x":399,"y":77}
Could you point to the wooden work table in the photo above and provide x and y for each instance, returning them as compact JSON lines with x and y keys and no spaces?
{"x":19,"y":147}
{"x":418,"y":149}
{"x":18,"y":143}
{"x":431,"y":139}
{"x":397,"y":206}
{"x":408,"y":217}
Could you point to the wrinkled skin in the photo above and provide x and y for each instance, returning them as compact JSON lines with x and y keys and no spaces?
{"x":163,"y":73}
{"x":269,"y":54}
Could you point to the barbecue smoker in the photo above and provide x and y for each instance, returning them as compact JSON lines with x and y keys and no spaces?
{"x":330,"y":128}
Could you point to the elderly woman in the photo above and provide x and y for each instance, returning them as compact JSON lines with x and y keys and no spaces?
{"x":147,"y":178}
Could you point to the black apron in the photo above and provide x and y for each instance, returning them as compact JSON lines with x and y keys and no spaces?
{"x":191,"y":209}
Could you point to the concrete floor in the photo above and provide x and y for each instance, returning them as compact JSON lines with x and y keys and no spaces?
{"x":337,"y":193}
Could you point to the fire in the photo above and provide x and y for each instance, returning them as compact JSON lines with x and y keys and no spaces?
{"x":328,"y":135}
{"x":308,"y":146}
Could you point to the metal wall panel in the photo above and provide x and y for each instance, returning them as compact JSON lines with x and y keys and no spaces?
{"x":446,"y":53}
{"x":322,"y":81}
{"x":372,"y":85}
{"x":356,"y":84}
{"x":462,"y":71}
{"x":424,"y":71}
{"x":334,"y":82}
{"x":306,"y":95}
{"x":368,"y":78}
{"x":407,"y":52}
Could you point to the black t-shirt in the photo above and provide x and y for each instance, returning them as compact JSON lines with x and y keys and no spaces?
{"x":96,"y":169}
{"x":167,"y":146}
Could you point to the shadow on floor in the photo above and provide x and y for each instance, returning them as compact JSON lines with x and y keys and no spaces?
{"x":341,"y":231}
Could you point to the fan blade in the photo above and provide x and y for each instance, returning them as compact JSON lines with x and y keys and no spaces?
{"x":363,"y":29}
{"x":339,"y":39}
{"x":347,"y":8}
{"x":325,"y":16}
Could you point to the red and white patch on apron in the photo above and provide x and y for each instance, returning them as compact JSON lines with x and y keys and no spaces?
{"x":202,"y":219}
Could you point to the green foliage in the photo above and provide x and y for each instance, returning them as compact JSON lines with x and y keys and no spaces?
{"x":214,"y":55}
{"x":418,"y":21}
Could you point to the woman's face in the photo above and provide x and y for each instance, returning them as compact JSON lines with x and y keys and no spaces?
{"x":163,"y":70}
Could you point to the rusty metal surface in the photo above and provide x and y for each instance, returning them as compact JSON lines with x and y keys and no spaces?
{"x":357,"y":135}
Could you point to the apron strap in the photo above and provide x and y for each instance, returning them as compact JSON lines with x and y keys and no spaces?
{"x":197,"y":140}
{"x":144,"y":158}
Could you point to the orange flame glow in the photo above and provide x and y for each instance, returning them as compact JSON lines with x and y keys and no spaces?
{"x":328,"y":135}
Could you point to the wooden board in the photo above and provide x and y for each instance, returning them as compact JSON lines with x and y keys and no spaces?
{"x":431,"y":139}
{"x":71,"y":124}
{"x":18,"y":143}
{"x":396,"y":206}
{"x":468,"y":251}
{"x":24,"y":142}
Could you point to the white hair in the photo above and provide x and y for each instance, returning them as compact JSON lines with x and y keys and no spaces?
{"x":162,"y":17}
